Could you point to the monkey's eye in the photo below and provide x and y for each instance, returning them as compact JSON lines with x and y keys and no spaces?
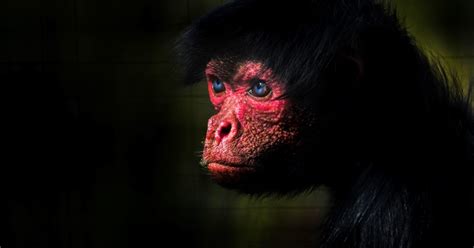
{"x":217,"y":85}
{"x":259,"y":89}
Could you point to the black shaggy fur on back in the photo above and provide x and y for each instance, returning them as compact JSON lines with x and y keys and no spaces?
{"x":400,"y":126}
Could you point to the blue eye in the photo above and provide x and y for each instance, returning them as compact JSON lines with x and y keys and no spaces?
{"x":259,"y":89}
{"x":217,"y":86}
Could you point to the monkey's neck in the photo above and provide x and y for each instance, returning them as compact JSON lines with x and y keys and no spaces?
{"x":382,"y":210}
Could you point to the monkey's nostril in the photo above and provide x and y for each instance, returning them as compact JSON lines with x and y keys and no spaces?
{"x":223,"y":130}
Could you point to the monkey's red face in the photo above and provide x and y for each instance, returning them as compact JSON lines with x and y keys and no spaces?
{"x":254,"y":127}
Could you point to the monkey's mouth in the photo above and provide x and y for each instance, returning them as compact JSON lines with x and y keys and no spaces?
{"x":228,"y":168}
{"x":229,"y":174}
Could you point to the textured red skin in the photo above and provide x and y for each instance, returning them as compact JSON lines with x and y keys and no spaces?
{"x":258,"y":124}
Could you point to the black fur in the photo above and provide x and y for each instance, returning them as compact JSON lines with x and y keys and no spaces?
{"x":396,"y":123}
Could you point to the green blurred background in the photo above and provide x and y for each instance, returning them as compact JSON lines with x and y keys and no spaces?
{"x":102,"y":141}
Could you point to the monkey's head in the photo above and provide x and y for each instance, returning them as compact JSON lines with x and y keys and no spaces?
{"x":254,"y":140}
{"x":286,"y":84}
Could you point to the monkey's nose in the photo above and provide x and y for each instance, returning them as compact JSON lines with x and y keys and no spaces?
{"x":226,"y":130}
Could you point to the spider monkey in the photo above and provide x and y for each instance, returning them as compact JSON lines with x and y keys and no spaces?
{"x":336,"y":93}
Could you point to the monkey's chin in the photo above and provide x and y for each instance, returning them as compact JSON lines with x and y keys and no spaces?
{"x":229,"y":175}
{"x":254,"y":180}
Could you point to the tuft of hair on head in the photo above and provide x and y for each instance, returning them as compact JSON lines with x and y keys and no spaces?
{"x":297,"y":41}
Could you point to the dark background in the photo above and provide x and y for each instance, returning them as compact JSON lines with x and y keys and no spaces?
{"x":101,"y":141}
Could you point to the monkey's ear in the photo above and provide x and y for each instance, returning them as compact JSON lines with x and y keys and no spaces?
{"x":345,"y":79}
{"x":348,"y":70}
{"x":356,"y":67}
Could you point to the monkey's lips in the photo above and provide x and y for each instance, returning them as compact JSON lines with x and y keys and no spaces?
{"x":228,"y":169}
{"x":229,"y":173}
